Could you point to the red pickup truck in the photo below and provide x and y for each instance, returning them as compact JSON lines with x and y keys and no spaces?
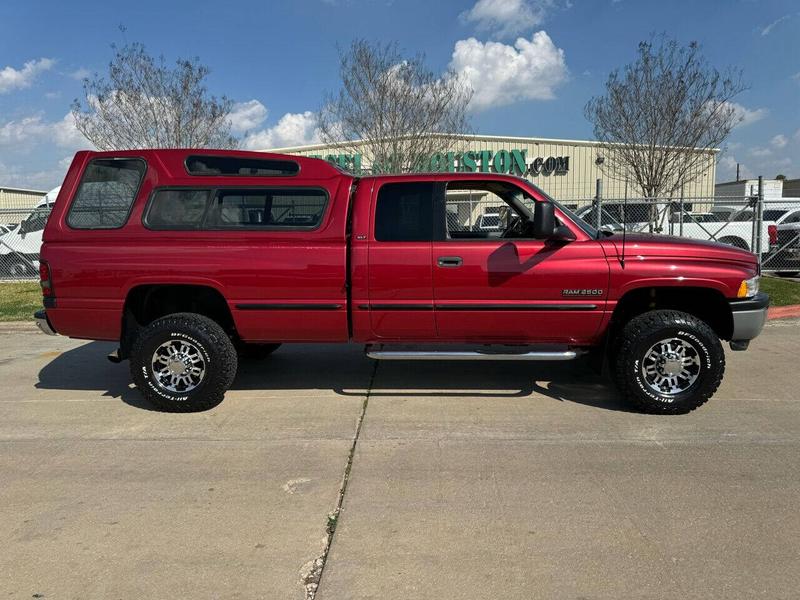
{"x":191,"y":258}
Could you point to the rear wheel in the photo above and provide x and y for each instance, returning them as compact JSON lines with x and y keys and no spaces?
{"x":183,"y":362}
{"x":668,"y":362}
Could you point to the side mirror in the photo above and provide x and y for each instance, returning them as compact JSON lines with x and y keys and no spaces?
{"x":544,"y":224}
{"x":544,"y":220}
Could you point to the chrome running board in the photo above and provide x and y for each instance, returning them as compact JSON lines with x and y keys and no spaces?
{"x":382,"y":353}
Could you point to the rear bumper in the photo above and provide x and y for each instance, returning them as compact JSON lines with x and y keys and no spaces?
{"x":42,"y":322}
{"x":749,"y":316}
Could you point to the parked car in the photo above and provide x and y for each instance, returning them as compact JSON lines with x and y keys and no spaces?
{"x":19,"y":248}
{"x":184,"y":256}
{"x":784,"y":258}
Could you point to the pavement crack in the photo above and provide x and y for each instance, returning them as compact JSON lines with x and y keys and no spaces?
{"x":311,"y":572}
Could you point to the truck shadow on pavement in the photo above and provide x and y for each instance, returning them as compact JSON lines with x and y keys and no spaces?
{"x":346,"y":371}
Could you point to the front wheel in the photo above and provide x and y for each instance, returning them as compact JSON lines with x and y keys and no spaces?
{"x":183,"y":362}
{"x":668,"y":362}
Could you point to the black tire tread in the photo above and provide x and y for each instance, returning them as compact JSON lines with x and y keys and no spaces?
{"x":640,"y":326}
{"x":226,"y":363}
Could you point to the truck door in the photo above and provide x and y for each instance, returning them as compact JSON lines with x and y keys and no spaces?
{"x":501,"y":286}
{"x":399,"y":256}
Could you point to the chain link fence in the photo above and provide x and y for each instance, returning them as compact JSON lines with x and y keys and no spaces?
{"x":768,"y":227}
{"x":782,"y":219}
{"x":22,"y":222}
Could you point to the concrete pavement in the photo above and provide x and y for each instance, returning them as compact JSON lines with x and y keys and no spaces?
{"x":469,"y":480}
{"x":103,"y":498}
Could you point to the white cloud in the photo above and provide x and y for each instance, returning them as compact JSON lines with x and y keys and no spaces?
{"x":727,"y":163}
{"x":246,"y":116}
{"x":66,"y":134}
{"x":779,"y":141}
{"x":14,"y":79}
{"x":35,"y":150}
{"x":726,"y":169}
{"x":768,"y":28}
{"x":16,"y":176}
{"x":22,"y":134}
{"x":744,"y":115}
{"x":80,"y":74}
{"x":293,"y":129}
{"x":503,"y":74}
{"x":505,"y":18}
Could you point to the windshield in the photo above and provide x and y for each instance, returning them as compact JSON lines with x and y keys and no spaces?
{"x":774,"y":214}
{"x":36,"y":220}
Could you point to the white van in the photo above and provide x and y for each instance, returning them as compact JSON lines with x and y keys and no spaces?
{"x":19,"y":248}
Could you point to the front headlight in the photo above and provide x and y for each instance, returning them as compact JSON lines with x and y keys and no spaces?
{"x":748,"y":287}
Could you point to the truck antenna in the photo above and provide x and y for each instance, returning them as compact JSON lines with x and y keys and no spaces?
{"x":624,"y":225}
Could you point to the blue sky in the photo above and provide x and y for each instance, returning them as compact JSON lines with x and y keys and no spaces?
{"x":533,"y":63}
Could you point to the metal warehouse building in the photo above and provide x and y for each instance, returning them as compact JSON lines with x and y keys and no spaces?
{"x":16,"y":203}
{"x":565,"y":169}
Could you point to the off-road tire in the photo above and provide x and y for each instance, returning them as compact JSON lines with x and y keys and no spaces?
{"x":215,"y":347}
{"x":248,"y":351}
{"x":645,"y":330}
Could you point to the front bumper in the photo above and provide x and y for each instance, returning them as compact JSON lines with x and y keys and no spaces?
{"x":749,"y":316}
{"x":40,"y":317}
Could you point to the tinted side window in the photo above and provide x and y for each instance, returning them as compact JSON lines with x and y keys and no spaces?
{"x":795,"y":218}
{"x":36,"y":220}
{"x":267,"y":208}
{"x":177,"y":209}
{"x":404,"y":212}
{"x":231,"y":165}
{"x":773,"y":214}
{"x":106,"y":192}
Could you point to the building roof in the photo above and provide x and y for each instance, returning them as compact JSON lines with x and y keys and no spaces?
{"x":6,"y":188}
{"x":464,"y":136}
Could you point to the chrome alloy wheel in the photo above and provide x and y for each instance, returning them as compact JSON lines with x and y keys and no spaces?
{"x":671,"y":366}
{"x":178,"y":366}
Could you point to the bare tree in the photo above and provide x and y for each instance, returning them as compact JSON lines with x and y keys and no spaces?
{"x":400,"y":112}
{"x":663,"y":114}
{"x":144,"y":103}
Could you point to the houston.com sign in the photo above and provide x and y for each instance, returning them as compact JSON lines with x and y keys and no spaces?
{"x":513,"y":162}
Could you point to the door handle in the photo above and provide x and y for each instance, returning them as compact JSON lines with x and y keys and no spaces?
{"x":449,"y":261}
